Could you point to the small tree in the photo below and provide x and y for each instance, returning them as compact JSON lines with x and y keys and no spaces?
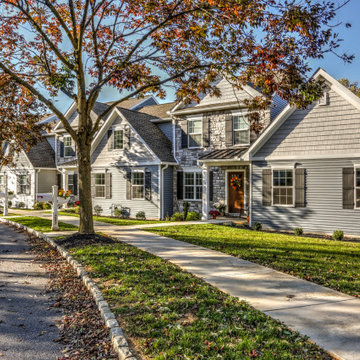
{"x":352,"y":86}
{"x":138,"y":46}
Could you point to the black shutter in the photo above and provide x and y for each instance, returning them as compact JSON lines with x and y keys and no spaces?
{"x":108,"y":185}
{"x":110,"y":139}
{"x":61,"y":143}
{"x":128,"y":185}
{"x":184,"y":134}
{"x":229,"y":130}
{"x":205,"y":130}
{"x":348,"y":188}
{"x":93,"y":185}
{"x":59,"y":180}
{"x":180,"y":185}
{"x":211,"y":186}
{"x":266,"y":187}
{"x":148,"y":185}
{"x":300,"y":188}
{"x":75,"y":181}
{"x":127,"y":135}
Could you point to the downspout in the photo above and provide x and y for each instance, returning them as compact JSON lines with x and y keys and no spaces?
{"x":162,"y":190}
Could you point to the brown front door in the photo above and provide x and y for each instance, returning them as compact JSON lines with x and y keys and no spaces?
{"x":236,"y":195}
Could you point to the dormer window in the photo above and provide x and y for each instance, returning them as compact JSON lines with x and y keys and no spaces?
{"x":68,"y":149}
{"x":241,"y":129}
{"x":194,"y":133}
{"x":118,"y":139}
{"x":324,"y":99}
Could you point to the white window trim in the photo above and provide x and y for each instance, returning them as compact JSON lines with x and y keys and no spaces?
{"x":324,"y":99}
{"x":117,"y":128}
{"x":200,"y":133}
{"x":100,"y":197}
{"x":248,"y":130}
{"x":356,"y":187}
{"x":276,"y":168}
{"x":71,"y":146}
{"x":202,"y":183}
{"x":132,"y":186}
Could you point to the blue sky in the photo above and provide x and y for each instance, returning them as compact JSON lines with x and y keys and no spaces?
{"x":331,"y":63}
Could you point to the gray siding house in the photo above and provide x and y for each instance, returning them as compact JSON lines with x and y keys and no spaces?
{"x":306,"y":165}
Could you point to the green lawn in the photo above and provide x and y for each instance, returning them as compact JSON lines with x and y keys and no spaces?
{"x":115,"y":221}
{"x":334,"y":264}
{"x":39,"y":224}
{"x":170,"y":314}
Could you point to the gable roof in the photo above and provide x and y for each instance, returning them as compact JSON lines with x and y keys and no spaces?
{"x":133,"y":103}
{"x":41,"y":155}
{"x":159,"y":111}
{"x":156,"y":140}
{"x":289,"y":110}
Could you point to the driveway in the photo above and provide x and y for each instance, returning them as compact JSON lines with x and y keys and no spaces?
{"x":27,"y":322}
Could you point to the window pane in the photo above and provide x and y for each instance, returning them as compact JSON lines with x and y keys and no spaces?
{"x":358,"y":177}
{"x":240,"y":123}
{"x":198,"y":178}
{"x":189,"y":178}
{"x":100,"y":191}
{"x":118,"y":139}
{"x":357,"y":198}
{"x":138,"y":192}
{"x":99,"y":179}
{"x":195,"y":140}
{"x":67,"y":141}
{"x":189,"y":192}
{"x":138,"y":178}
{"x":195,"y":126}
{"x":241,"y":137}
{"x":198,"y":192}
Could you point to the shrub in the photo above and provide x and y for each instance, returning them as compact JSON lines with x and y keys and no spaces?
{"x":298,"y":231}
{"x":46,"y":206}
{"x":9,"y":203}
{"x":257,"y":226}
{"x":77,"y":210}
{"x":38,"y":205}
{"x":140,"y":215}
{"x":338,"y":235}
{"x":186,"y":207}
{"x":70,"y":211}
{"x":120,"y":213}
{"x":178,"y":217}
{"x":98,"y":210}
{"x":193,"y":216}
{"x":21,"y":205}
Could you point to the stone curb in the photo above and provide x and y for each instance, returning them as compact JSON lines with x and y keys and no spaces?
{"x":118,"y":340}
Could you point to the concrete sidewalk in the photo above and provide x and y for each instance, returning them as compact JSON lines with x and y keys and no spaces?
{"x":27,"y":323}
{"x":328,"y":317}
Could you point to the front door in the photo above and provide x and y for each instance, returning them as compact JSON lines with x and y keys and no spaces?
{"x":236,"y":186}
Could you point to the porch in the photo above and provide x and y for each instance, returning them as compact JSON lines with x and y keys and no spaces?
{"x":226,"y":182}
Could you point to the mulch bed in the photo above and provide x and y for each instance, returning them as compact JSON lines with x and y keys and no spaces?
{"x":79,"y":240}
{"x":82,"y":330}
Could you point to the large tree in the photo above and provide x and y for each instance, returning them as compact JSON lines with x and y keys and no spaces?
{"x":137,"y":46}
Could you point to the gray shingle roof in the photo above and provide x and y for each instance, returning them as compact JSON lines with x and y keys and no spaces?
{"x":69,"y":163}
{"x":130,"y":103}
{"x":224,"y":154}
{"x":42,"y":155}
{"x":158,"y":111}
{"x":150,"y":133}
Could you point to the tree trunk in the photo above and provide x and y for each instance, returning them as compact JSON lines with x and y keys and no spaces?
{"x":85,"y":198}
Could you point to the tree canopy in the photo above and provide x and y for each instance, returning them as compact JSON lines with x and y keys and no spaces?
{"x":140,"y":46}
{"x":352,"y":86}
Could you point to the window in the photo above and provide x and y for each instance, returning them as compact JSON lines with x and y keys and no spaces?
{"x":68,"y":149}
{"x":195,"y":133}
{"x":72,"y":183}
{"x":118,"y":139}
{"x":100,"y":185}
{"x":324,"y":99}
{"x":23,"y":184}
{"x":241,"y":130}
{"x":283,"y":187}
{"x":357,"y":188}
{"x":138,"y":185}
{"x":192,"y":185}
{"x":2,"y":183}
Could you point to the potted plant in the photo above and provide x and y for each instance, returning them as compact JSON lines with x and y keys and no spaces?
{"x":220,"y":206}
{"x":214,"y":213}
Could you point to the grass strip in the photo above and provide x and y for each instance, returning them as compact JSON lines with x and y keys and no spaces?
{"x":334,"y":264}
{"x":40,"y":224}
{"x":168,"y":313}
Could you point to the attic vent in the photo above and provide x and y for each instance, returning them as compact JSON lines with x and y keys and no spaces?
{"x":324,"y":100}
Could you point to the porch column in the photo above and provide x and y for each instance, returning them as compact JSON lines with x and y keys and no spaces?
{"x":206,"y":192}
{"x":64,"y":179}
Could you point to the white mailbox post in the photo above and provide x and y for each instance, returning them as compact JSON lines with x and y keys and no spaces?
{"x":55,"y":215}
